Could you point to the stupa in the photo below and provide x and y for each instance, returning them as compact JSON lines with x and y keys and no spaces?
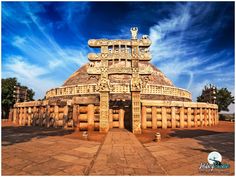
{"x":118,"y":88}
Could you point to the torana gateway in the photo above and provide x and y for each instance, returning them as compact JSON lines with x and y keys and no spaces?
{"x":118,"y":88}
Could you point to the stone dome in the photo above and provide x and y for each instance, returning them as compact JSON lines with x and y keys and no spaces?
{"x":81,"y":77}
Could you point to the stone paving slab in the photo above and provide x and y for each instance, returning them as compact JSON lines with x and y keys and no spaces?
{"x":122,"y":154}
{"x":49,"y":156}
{"x":184,"y":156}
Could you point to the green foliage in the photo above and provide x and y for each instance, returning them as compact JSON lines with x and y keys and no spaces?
{"x":201,"y":98}
{"x":223,"y":98}
{"x":8,"y":99}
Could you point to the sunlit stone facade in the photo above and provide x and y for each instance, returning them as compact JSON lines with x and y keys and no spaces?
{"x":118,"y":88}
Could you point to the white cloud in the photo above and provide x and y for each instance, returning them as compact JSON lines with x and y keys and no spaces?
{"x":29,"y":74}
{"x":180,"y":47}
{"x":18,"y":41}
{"x":21,"y":67}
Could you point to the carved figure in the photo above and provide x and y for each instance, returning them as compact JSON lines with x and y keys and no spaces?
{"x":134,"y":32}
{"x":145,"y":80}
{"x":136,"y":83}
{"x":91,"y":64}
{"x":103,"y":85}
{"x":145,"y":37}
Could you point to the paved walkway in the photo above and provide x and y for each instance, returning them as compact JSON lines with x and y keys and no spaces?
{"x":122,"y":154}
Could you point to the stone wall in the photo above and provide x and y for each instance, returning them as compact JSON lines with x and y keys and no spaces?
{"x":84,"y":114}
{"x":177,"y":114}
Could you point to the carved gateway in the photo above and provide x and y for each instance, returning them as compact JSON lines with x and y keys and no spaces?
{"x":104,"y":63}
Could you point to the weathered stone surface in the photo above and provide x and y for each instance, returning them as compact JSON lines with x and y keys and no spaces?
{"x":123,"y":154}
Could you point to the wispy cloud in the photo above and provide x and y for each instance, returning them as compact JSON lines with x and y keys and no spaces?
{"x":190,"y":41}
{"x":181,"y":46}
{"x":28,"y":74}
{"x":37,"y":45}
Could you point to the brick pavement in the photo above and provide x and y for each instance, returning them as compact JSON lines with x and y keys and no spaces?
{"x":122,"y":154}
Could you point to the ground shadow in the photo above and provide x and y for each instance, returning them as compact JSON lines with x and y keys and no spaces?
{"x":12,"y":135}
{"x":222,"y":142}
{"x":190,"y":133}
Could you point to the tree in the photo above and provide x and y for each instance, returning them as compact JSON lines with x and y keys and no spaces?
{"x":223,"y":97}
{"x":7,"y":95}
{"x":8,"y":99}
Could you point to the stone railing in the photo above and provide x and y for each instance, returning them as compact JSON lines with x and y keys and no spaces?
{"x":70,"y":113}
{"x":177,"y":114}
{"x":154,"y":114}
{"x":166,"y":90}
{"x":119,"y":88}
{"x":72,"y":90}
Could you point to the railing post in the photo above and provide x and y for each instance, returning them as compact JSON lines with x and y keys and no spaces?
{"x":154,"y":117}
{"x":173,"y":120}
{"x":144,"y":117}
{"x":164,"y":118}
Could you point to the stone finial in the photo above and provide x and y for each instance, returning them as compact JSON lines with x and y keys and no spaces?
{"x":134,"y":32}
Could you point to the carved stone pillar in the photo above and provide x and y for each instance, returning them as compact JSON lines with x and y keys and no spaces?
{"x":104,"y":111}
{"x":195,"y":118}
{"x":154,"y":117}
{"x":48,"y":108}
{"x":164,"y":118}
{"x":205,"y":117}
{"x":20,"y":116}
{"x":144,"y":117}
{"x":56,"y":111}
{"x":189,"y":117}
{"x":75,"y":114}
{"x":29,"y":116}
{"x":90,"y":117}
{"x":209,"y":117}
{"x":216,"y":115}
{"x":173,"y":120}
{"x":110,"y":118}
{"x":121,"y":118}
{"x":181,"y":117}
{"x":25,"y":116}
{"x":201,"y":117}
{"x":213,"y":116}
{"x":65,"y":113}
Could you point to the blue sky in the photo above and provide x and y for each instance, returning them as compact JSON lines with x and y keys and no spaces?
{"x":43,"y":43}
